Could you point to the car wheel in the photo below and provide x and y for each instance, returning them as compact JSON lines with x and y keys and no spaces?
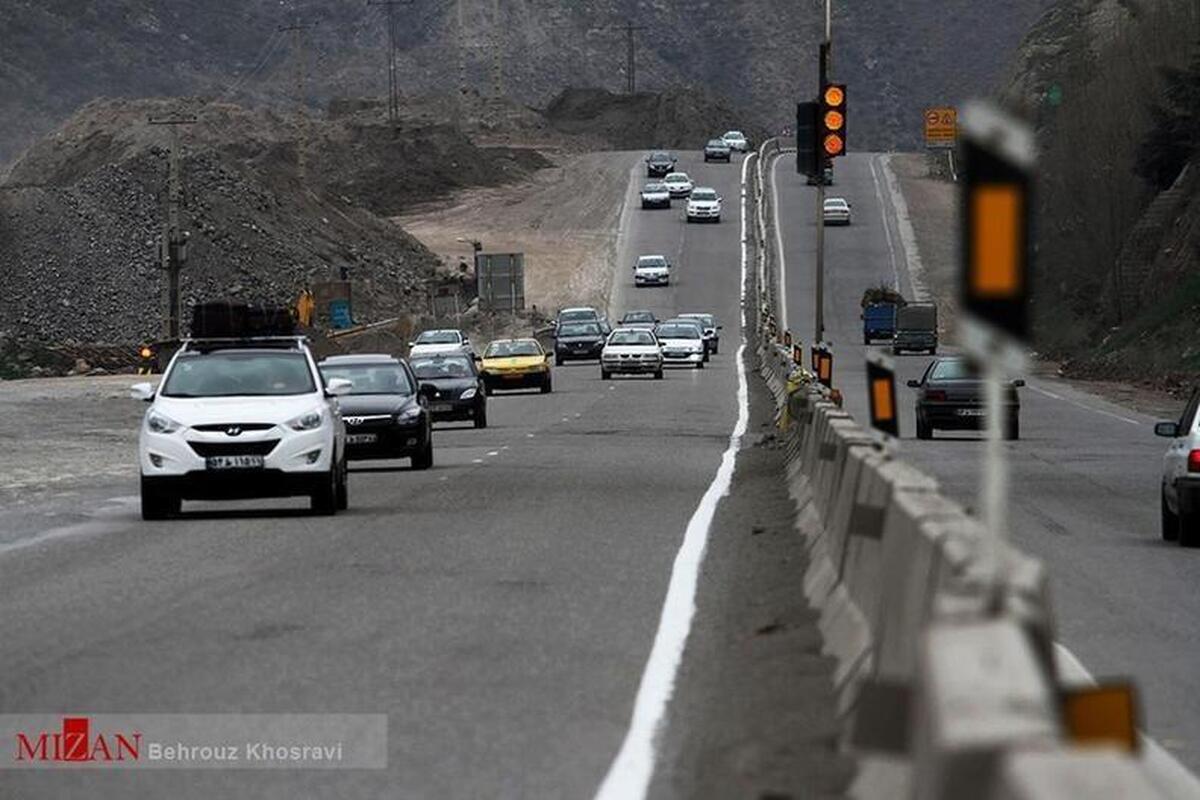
{"x":866,"y":340}
{"x":1012,"y":429}
{"x":343,"y":487}
{"x":323,"y":500}
{"x":1189,"y":529}
{"x":716,"y":349}
{"x":157,"y":504}
{"x":658,"y":376}
{"x":605,"y":375}
{"x":558,"y":362}
{"x":933,"y":351}
{"x":895,"y":351}
{"x":924,"y":430}
{"x":1170,"y":522}
{"x":480,"y":419}
{"x":547,"y":385}
{"x":700,"y":364}
{"x":424,"y":459}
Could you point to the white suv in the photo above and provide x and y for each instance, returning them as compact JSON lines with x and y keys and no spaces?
{"x":1181,"y":477}
{"x":704,"y":206}
{"x":234,"y":419}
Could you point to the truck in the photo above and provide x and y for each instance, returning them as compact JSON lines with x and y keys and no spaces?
{"x":879,"y":322}
{"x":916,"y":328}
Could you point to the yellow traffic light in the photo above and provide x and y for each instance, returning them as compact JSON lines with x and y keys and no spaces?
{"x":834,"y":120}
{"x":834,"y":145}
{"x":834,"y":95}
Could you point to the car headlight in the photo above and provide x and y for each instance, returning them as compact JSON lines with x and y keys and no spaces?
{"x":409,"y":414}
{"x":308,"y":421}
{"x":468,"y":393}
{"x":161,"y":423}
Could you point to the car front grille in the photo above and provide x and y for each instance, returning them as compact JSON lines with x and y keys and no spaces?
{"x":242,"y":427}
{"x":209,"y":449}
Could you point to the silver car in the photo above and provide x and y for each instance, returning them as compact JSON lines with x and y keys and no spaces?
{"x":1180,"y":492}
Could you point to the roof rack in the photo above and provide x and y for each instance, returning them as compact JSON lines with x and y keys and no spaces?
{"x":216,"y":342}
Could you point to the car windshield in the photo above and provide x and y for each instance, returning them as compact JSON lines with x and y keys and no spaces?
{"x":956,"y":369}
{"x":835,"y":203}
{"x":704,"y":319}
{"x":576,"y":316}
{"x":438,"y":337}
{"x":652,"y":261}
{"x":580,"y":329}
{"x":734,"y":135}
{"x":704,"y":194}
{"x":654,"y":187}
{"x":510,"y":349}
{"x":660,"y":156}
{"x":638,"y":316}
{"x":717,"y":143}
{"x":631,"y":338}
{"x":678,"y":332}
{"x":449,"y":367}
{"x":371,"y":378}
{"x":230,"y":374}
{"x":676,"y":177}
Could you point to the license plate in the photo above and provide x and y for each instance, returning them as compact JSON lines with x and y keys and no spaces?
{"x":234,"y":462}
{"x":362,"y":438}
{"x":970,"y":412}
{"x":438,"y":408}
{"x":513,"y":377}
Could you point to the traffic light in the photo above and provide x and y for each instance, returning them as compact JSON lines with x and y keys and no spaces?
{"x":832,"y":123}
{"x":808,"y":151}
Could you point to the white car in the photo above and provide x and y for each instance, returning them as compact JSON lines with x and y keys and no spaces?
{"x":240,"y":420}
{"x":1180,"y":491}
{"x":679,"y":184}
{"x":449,"y":340}
{"x":656,"y":195}
{"x":652,"y":271}
{"x":836,"y":211}
{"x":736,"y":141}
{"x":704,"y":206}
{"x":682,"y":343}
{"x":633,"y":351}
{"x":712,"y":331}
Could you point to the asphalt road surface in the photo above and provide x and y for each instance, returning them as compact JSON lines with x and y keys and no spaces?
{"x":1084,"y":475}
{"x":499,"y":608}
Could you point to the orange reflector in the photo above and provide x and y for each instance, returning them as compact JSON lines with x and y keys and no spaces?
{"x":834,"y":96}
{"x":147,"y":352}
{"x":997,"y":211}
{"x":881,"y":395}
{"x":1103,"y":715}
{"x":834,"y":144}
{"x":824,"y":367}
{"x":834,"y":120}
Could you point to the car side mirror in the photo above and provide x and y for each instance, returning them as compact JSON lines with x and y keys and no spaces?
{"x":914,"y":384}
{"x":411,"y":345}
{"x":338,"y":387}
{"x":720,"y":327}
{"x":426,"y":391}
{"x":1168,"y":429}
{"x":142,"y":391}
{"x":1018,"y":383}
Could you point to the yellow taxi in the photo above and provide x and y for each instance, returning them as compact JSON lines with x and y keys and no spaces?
{"x":515,"y":364}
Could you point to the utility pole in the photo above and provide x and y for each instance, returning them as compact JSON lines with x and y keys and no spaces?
{"x":819,"y":316}
{"x":173,"y":250}
{"x":497,"y":63}
{"x":631,"y":57}
{"x":297,"y":30}
{"x":393,"y":77}
{"x":462,"y":60}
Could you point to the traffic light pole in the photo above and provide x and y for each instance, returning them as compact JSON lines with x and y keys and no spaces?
{"x":819,"y":316}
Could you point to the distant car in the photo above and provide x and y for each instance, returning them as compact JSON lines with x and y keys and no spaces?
{"x":652,"y":271}
{"x":1180,"y":489}
{"x":736,"y":141}
{"x":516,"y":364}
{"x":679,"y":184}
{"x":638,"y":319}
{"x":879,"y":322}
{"x":385,"y":413}
{"x":656,"y":195}
{"x":699,"y":326}
{"x":916,"y":328}
{"x":578,"y":341}
{"x":682,"y":343}
{"x":704,"y":205}
{"x":717,"y":150}
{"x":824,"y":179}
{"x":578,"y":314}
{"x":836,"y":211}
{"x":457,"y":391}
{"x":951,"y":395}
{"x":712,"y":331}
{"x":440,"y":341}
{"x":659,"y":164}
{"x":631,"y":351}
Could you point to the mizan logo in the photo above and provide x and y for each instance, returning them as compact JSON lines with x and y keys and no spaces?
{"x":76,"y":743}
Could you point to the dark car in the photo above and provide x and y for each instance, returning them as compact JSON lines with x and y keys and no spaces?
{"x":456,"y":389}
{"x":578,"y":341}
{"x":385,"y":413}
{"x":659,"y":164}
{"x":717,"y":150}
{"x":952,"y":395}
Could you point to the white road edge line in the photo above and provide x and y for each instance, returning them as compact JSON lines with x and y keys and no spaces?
{"x":1084,"y":406}
{"x":631,"y":771}
{"x":1162,"y":768}
{"x":908,"y":237}
{"x":782,"y":293}
{"x":887,"y":228}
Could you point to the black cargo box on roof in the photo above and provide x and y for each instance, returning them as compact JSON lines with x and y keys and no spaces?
{"x":230,"y":319}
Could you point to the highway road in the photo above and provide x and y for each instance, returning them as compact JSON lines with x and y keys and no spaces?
{"x":1084,"y":475}
{"x":500,"y":608}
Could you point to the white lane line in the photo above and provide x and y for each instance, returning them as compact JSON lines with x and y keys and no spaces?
{"x":629,"y":775}
{"x":1162,"y":768}
{"x":494,"y":453}
{"x":887,"y":228}
{"x":783,"y":312}
{"x":1084,"y":406}
{"x":476,"y":460}
{"x":908,"y":237}
{"x":111,"y":517}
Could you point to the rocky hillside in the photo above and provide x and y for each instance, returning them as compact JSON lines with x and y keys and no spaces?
{"x":1117,"y":253}
{"x":898,"y":55}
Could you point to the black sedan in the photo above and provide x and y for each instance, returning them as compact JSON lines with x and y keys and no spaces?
{"x":385,"y":413}
{"x":578,"y":341}
{"x":952,"y":395}
{"x":456,"y":389}
{"x":659,"y":164}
